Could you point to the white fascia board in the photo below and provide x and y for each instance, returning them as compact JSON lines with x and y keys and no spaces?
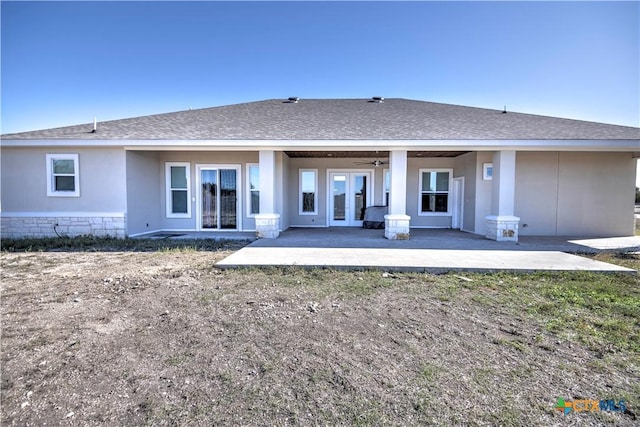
{"x":61,"y":143}
{"x":341,"y":145}
{"x":387,"y":145}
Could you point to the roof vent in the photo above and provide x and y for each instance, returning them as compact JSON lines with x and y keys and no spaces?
{"x":293,"y":99}
{"x":505,"y":110}
{"x":378,"y":99}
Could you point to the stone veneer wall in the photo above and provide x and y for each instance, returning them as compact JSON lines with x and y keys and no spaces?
{"x":53,"y":225}
{"x":502,"y":228}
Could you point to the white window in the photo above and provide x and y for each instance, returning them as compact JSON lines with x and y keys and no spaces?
{"x":308,"y":191}
{"x":387,"y":187}
{"x":178,"y":177}
{"x":62,"y":175}
{"x":434,"y":191}
{"x":253,"y":190}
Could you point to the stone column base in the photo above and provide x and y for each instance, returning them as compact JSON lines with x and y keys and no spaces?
{"x":267,"y":226}
{"x":396,"y":227}
{"x":502,"y":228}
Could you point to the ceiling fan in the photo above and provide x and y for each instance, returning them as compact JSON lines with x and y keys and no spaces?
{"x":376,"y":163}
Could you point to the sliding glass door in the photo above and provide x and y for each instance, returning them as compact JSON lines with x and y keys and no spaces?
{"x":218,"y":197}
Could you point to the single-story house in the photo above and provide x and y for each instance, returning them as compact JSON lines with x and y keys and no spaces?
{"x":269,"y":165}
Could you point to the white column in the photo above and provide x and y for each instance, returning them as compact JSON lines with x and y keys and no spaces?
{"x":397,"y":222}
{"x":502,"y":224}
{"x":267,"y":221}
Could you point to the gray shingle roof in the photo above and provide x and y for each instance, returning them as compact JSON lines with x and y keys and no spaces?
{"x":342,"y":119}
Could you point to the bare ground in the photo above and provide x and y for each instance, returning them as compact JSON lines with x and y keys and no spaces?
{"x":164,"y":338}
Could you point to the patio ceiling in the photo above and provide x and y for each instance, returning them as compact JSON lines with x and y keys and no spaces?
{"x":372,"y":154}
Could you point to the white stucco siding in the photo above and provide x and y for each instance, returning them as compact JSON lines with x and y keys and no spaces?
{"x":414,"y":164}
{"x":483,"y":194}
{"x":536,"y":202}
{"x":575,"y":194}
{"x":283,"y":196}
{"x":195,"y":158}
{"x":101,"y":175}
{"x":293,"y":209}
{"x":99,"y":206}
{"x":596,"y":194}
{"x":144,"y":189}
{"x":466,"y":166}
{"x":288,"y":192}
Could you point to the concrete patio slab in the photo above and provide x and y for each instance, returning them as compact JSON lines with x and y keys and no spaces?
{"x":423,"y":260}
{"x":352,"y":237}
{"x":431,"y":250}
{"x":631,"y":243}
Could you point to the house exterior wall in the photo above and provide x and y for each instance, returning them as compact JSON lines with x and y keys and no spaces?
{"x":414,"y":164}
{"x":466,"y":166}
{"x":536,"y":197}
{"x":284,"y":198}
{"x":195,"y":158}
{"x":575,"y":193}
{"x":100,"y":208}
{"x":145,"y":179}
{"x":123,"y":192}
{"x":325,"y":165}
{"x":484,"y":190}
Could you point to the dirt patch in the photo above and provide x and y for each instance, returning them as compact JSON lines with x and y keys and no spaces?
{"x":164,"y":338}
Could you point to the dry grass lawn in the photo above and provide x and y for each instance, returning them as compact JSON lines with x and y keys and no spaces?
{"x":153,"y":334}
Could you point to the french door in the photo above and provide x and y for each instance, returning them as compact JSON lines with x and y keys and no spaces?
{"x":218,"y":201}
{"x":349,"y":195}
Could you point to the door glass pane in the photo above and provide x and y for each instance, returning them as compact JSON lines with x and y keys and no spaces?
{"x":228,"y":199}
{"x":209,"y":179}
{"x":360,"y":194}
{"x":339,"y":197}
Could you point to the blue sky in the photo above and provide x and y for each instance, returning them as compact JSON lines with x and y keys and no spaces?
{"x":67,"y":62}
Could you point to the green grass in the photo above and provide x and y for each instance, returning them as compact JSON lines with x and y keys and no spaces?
{"x":109,"y":244}
{"x":527,"y":317}
{"x":599,"y":310}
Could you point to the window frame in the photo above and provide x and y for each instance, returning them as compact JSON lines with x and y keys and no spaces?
{"x":315,"y":192}
{"x":51,"y":190}
{"x":421,"y":192}
{"x":386,"y":192}
{"x":487,"y":171}
{"x":249,"y":190}
{"x":169,"y":189}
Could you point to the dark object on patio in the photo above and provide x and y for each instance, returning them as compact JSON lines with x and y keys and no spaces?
{"x":374,"y":217}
